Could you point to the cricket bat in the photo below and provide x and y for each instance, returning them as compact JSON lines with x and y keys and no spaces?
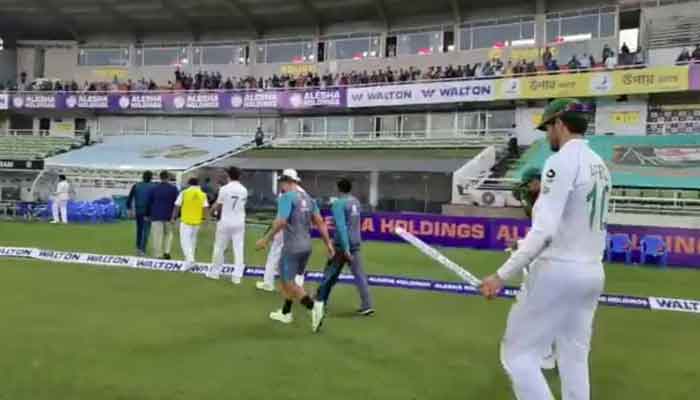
{"x":437,"y":256}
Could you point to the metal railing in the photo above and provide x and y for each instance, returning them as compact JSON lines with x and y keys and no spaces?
{"x":566,"y":70}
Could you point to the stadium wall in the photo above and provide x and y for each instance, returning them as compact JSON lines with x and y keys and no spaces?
{"x":8,"y":65}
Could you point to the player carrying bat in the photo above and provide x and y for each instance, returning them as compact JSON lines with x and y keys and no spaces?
{"x":564,"y":249}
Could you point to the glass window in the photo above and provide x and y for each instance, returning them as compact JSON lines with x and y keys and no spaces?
{"x":285,"y":52}
{"x":528,"y":30}
{"x":496,"y":35}
{"x":552,"y":31}
{"x":352,"y":49}
{"x":165,"y":56}
{"x":415,"y":124}
{"x":470,"y":121}
{"x":220,"y":55}
{"x":338,"y":126}
{"x":245,"y":125}
{"x":390,"y":125}
{"x":580,"y":25}
{"x":291,"y":126}
{"x":363,"y":126}
{"x":465,"y":38}
{"x":442,"y":124}
{"x":419,"y":43}
{"x":98,"y":57}
{"x":607,"y":25}
{"x":501,"y":119}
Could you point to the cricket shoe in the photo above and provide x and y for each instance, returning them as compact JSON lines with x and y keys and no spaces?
{"x":236,"y":279}
{"x":365,"y":312}
{"x":299,"y":280}
{"x":260,"y":285}
{"x":283,"y":318}
{"x":317,"y":316}
{"x":213,"y":273}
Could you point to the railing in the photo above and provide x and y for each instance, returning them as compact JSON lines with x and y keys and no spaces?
{"x":565,"y":70}
{"x":654,"y":205}
{"x":42,"y":133}
{"x":496,"y":134}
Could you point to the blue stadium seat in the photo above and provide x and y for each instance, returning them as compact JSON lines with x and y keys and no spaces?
{"x":619,"y":243}
{"x":654,"y":247}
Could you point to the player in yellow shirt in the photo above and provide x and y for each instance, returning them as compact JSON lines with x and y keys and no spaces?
{"x":191,"y":205}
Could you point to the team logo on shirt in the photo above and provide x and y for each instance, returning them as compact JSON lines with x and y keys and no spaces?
{"x":551,"y":174}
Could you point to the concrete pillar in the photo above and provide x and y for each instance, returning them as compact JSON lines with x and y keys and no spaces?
{"x":373,"y":189}
{"x":274,"y":182}
{"x":540,"y":23}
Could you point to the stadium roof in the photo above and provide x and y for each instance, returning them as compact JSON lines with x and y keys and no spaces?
{"x":78,"y":19}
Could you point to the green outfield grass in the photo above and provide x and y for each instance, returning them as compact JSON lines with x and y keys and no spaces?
{"x":80,"y":332}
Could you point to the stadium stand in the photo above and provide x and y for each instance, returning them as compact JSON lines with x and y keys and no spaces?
{"x":34,"y":148}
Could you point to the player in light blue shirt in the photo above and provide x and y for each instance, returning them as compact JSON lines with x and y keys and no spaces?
{"x":296,"y":213}
{"x":348,"y":240}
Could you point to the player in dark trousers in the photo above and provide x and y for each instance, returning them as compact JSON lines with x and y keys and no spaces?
{"x":346,"y":214}
{"x":138,"y":199}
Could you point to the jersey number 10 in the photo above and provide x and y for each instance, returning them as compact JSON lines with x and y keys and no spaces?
{"x":598,"y":200}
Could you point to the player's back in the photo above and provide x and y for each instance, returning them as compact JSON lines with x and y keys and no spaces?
{"x":297,"y":234}
{"x":351,"y":208}
{"x":581,"y":233}
{"x":233,"y":197}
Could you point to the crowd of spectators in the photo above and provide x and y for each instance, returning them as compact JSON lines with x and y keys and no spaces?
{"x":687,"y":57}
{"x":495,"y":67}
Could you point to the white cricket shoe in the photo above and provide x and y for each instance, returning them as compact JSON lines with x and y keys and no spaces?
{"x":213,"y":273}
{"x":260,"y":285}
{"x":53,"y":222}
{"x":549,"y":362}
{"x":299,"y":280}
{"x":317,"y":316}
{"x":236,"y":279}
{"x":283,"y":318}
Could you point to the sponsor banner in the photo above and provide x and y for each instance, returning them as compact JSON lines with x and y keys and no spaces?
{"x":681,"y":305}
{"x":548,"y":86}
{"x":298,"y":69}
{"x":650,"y":80}
{"x":4,"y":101}
{"x":499,"y":233}
{"x":422,"y":93}
{"x":222,"y":101}
{"x":613,"y":300}
{"x":22,"y":164}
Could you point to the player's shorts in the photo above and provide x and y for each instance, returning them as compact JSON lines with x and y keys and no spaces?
{"x":291,"y":264}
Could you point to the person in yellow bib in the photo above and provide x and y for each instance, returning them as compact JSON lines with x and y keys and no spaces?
{"x":191,"y":205}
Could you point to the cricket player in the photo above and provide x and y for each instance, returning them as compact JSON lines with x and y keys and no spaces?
{"x":230,"y":205}
{"x":564,"y":248}
{"x":138,"y":198}
{"x":159,"y":208}
{"x":273,"y":260}
{"x":348,"y":239}
{"x":191,"y":205}
{"x":296,"y":212}
{"x":527,"y":192}
{"x":59,"y":207}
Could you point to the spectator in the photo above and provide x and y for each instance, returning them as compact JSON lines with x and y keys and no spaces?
{"x":624,"y":50}
{"x":696,"y":53}
{"x":574,"y":63}
{"x":684,"y":57}
{"x":138,"y":198}
{"x":531,"y":68}
{"x":259,"y":137}
{"x":607,"y":53}
{"x":553,"y":66}
{"x":547,"y":57}
{"x":611,"y":61}
{"x":585,"y":62}
{"x":160,"y":210}
{"x":639,"y":56}
{"x":60,"y":201}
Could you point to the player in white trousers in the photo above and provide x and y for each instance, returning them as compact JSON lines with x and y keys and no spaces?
{"x":191,"y":205}
{"x":565,"y":250}
{"x":59,"y":208}
{"x":230,"y":206}
{"x":273,"y":261}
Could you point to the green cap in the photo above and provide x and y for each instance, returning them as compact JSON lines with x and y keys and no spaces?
{"x":531,"y":174}
{"x":558,"y":107}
